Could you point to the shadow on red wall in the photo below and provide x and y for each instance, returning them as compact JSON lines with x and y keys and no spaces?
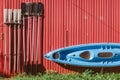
{"x":94,"y":69}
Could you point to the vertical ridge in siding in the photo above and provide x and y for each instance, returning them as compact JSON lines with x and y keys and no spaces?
{"x":66,"y":23}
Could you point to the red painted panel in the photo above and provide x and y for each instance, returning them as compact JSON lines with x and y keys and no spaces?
{"x":1,"y":39}
{"x":65,"y":23}
{"x":79,"y":22}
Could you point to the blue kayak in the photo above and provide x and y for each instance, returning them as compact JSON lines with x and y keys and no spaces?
{"x":88,"y":55}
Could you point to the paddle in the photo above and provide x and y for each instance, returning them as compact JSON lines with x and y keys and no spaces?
{"x":23,"y":8}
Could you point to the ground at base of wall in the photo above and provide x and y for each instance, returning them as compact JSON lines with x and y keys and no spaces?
{"x":87,"y":75}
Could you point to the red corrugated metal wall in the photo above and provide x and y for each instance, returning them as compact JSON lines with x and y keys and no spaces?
{"x":65,"y":23}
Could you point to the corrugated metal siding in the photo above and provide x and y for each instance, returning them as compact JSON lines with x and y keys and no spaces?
{"x":1,"y":42}
{"x":65,"y":23}
{"x":79,"y":22}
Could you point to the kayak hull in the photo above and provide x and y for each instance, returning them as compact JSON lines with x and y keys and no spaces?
{"x":88,"y":55}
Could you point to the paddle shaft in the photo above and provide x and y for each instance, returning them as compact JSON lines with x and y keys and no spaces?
{"x":24,"y":48}
{"x":37,"y":38}
{"x":18,"y":47}
{"x":15,"y":47}
{"x":28,"y":42}
{"x":32,"y":42}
